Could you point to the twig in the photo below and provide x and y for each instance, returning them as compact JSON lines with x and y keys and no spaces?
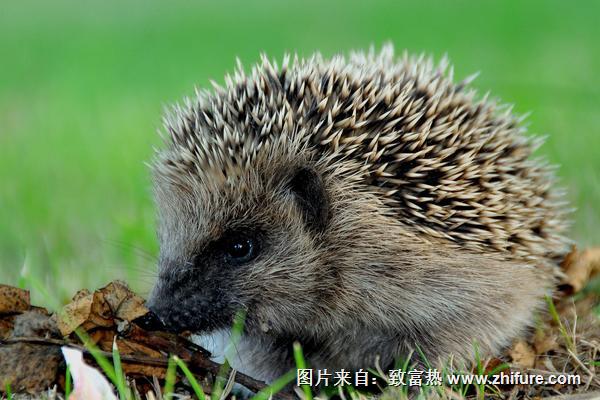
{"x":582,"y":365}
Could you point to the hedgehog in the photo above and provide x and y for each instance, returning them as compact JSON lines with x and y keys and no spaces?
{"x":367,"y":207}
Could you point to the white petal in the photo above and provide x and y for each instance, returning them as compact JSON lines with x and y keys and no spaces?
{"x":88,"y":382}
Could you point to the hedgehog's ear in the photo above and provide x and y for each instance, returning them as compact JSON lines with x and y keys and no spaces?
{"x":308,"y":188}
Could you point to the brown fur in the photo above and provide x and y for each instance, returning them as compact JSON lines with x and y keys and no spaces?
{"x":439,"y":231}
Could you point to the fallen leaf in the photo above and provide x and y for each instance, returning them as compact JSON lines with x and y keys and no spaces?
{"x":579,"y":267}
{"x":34,"y":324}
{"x":74,"y":314}
{"x":29,"y":367}
{"x":125,"y":305}
{"x":544,"y":342}
{"x":100,"y":315}
{"x":141,"y":370}
{"x":6,"y":327}
{"x":103,"y":338}
{"x":522,"y":355}
{"x":101,"y":308}
{"x":87,"y":311}
{"x":133,"y":348}
{"x":80,"y":294}
{"x":13,"y":300}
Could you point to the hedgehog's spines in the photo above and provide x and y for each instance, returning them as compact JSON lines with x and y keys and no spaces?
{"x":450,"y":165}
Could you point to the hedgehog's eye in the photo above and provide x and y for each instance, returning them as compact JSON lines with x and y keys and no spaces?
{"x":240,"y":249}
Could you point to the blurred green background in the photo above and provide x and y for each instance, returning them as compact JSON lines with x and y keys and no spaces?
{"x":83,"y":85}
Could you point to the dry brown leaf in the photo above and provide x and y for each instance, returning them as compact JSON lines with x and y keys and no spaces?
{"x":544,"y":342}
{"x":74,"y":314}
{"x":103,"y":338}
{"x":13,"y":300}
{"x":80,"y":294}
{"x":579,"y":267}
{"x":100,"y":309}
{"x":100,"y":314}
{"x":136,"y":370}
{"x":133,"y":348}
{"x":28,"y":367}
{"x":125,"y":305}
{"x":88,"y":311}
{"x":522,"y":355}
{"x":6,"y":327}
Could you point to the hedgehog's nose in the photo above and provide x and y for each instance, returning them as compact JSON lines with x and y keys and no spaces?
{"x":150,"y":322}
{"x":160,"y":316}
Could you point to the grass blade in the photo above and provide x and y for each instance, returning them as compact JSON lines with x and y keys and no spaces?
{"x":190,"y":377}
{"x":169,"y":379}
{"x":301,"y":364}
{"x":119,"y":377}
{"x":102,"y":361}
{"x":275,"y":387}
{"x":68,"y":382}
{"x":561,"y":327}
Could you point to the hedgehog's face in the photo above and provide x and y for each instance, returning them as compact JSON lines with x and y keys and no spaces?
{"x":255,"y":244}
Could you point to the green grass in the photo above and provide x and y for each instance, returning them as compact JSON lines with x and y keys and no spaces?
{"x":120,"y":379}
{"x":170,"y":378}
{"x":82,"y":86}
{"x":68,"y":382}
{"x":301,"y":364}
{"x":276,"y":386}
{"x":563,"y":331}
{"x":8,"y":391}
{"x":190,"y":377}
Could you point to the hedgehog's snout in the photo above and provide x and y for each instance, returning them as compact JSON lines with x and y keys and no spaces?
{"x":191,"y":299}
{"x":177,"y":315}
{"x":163,"y":309}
